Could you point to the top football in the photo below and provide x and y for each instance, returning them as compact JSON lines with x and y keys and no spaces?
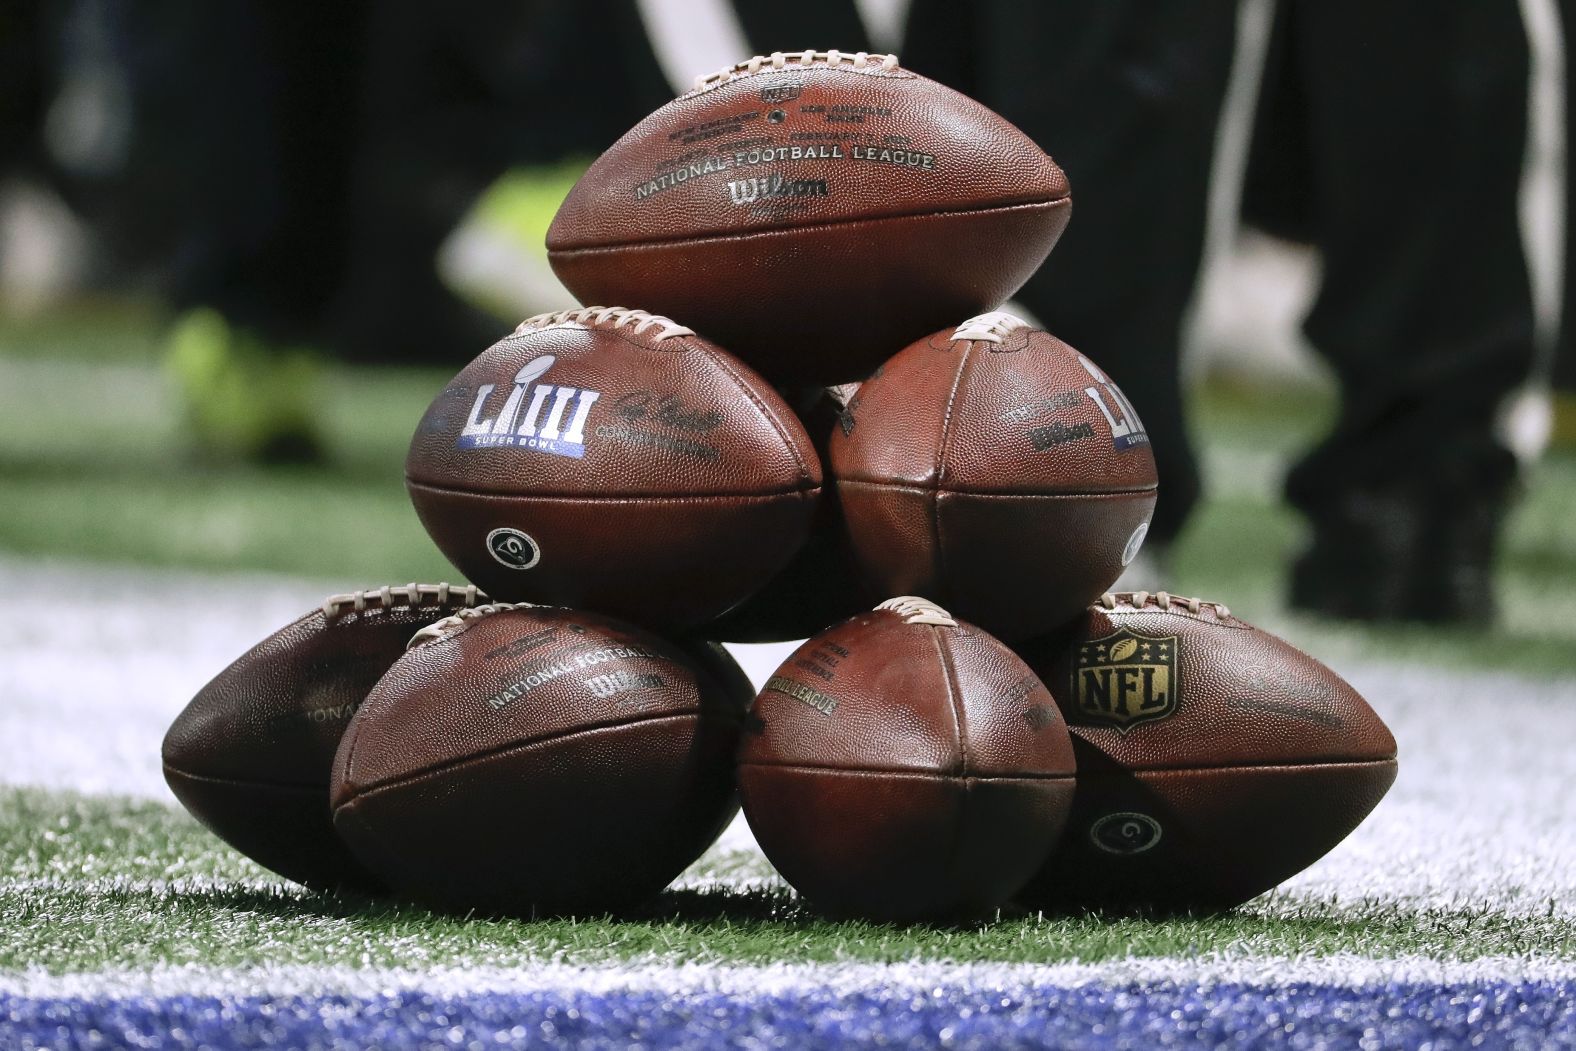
{"x":814,"y":212}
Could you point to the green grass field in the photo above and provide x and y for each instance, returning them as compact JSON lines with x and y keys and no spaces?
{"x":72,"y":904}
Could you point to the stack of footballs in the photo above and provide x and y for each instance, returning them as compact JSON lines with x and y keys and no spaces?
{"x":631,"y":486}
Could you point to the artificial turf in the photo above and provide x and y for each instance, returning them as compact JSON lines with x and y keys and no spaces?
{"x":100,"y":883}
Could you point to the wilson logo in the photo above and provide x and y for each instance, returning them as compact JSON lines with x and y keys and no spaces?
{"x":614,"y":683}
{"x":748,"y":191}
{"x":541,"y":416}
{"x":1043,"y":438}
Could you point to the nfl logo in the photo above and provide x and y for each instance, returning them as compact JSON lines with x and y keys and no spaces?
{"x":781,"y":91}
{"x":1126,"y":679}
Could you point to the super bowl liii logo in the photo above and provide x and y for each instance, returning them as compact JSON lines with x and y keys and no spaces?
{"x":553,"y":420}
{"x":1127,"y":430}
{"x":1125,"y":679}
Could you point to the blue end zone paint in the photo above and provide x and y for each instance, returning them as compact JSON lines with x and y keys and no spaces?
{"x":1477,"y":1015}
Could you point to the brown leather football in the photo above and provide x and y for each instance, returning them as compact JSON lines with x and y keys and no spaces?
{"x":996,"y":469}
{"x":813,"y":212}
{"x":821,"y":584}
{"x":1214,"y":759}
{"x":612,"y":460}
{"x":904,"y":765}
{"x":537,"y":760}
{"x":251,"y":755}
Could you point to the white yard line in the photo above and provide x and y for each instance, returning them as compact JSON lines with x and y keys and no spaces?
{"x":895,"y":979}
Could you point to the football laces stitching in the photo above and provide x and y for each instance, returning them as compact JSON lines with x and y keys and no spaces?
{"x":1160,"y":600}
{"x":389,"y":596}
{"x":441,"y":629}
{"x":992,"y":327}
{"x":608,"y":317}
{"x":916,"y":610}
{"x":784,"y":59}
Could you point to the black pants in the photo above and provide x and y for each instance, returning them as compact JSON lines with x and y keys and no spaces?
{"x":1415,"y":119}
{"x":297,"y":164}
{"x":1125,"y":96}
{"x":1408,"y":129}
{"x":1565,"y":346}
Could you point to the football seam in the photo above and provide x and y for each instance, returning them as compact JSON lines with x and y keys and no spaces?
{"x":960,"y":812}
{"x":941,"y":463}
{"x":448,"y":765}
{"x":805,"y":477}
{"x":955,"y":702}
{"x":371,"y":841}
{"x":1069,"y":494}
{"x":248,"y":782}
{"x":924,"y":775}
{"x":1203,"y":769}
{"x":780,"y":231}
{"x":617,"y":498}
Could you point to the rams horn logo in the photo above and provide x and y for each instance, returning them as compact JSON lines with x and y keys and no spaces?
{"x":1125,"y":833}
{"x":1125,"y":679}
{"x":513,"y":548}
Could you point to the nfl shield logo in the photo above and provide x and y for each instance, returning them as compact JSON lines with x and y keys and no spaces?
{"x":1125,"y":679}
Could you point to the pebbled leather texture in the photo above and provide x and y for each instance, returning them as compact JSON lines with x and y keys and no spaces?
{"x":250,"y":756}
{"x":813,"y":218}
{"x":1232,"y":759}
{"x":539,"y":760}
{"x":691,"y":484}
{"x":905,"y":771}
{"x":821,"y":585}
{"x":1006,"y":480}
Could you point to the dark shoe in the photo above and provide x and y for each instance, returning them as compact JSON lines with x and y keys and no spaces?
{"x":1402,"y":558}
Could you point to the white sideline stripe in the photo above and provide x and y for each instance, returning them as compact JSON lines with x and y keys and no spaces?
{"x":695,"y":979}
{"x":159,"y":888}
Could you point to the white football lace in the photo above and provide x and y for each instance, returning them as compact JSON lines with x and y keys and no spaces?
{"x":440,"y":629}
{"x":992,"y":327}
{"x":916,"y":610}
{"x":1160,"y":600}
{"x":796,"y":59}
{"x":390,"y":596}
{"x":611,"y":317}
{"x":842,"y":393}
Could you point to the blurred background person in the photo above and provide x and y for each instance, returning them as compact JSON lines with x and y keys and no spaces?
{"x":282,"y":174}
{"x":1390,"y":137}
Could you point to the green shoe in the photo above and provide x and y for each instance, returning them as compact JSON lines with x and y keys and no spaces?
{"x":244,"y":399}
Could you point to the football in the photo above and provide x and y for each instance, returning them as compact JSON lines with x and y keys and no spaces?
{"x":821,"y":584}
{"x":813,"y":212}
{"x":612,"y":460}
{"x":997,"y":470}
{"x":1214,"y":759}
{"x":537,"y":760}
{"x":251,"y":755}
{"x":904,"y":765}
